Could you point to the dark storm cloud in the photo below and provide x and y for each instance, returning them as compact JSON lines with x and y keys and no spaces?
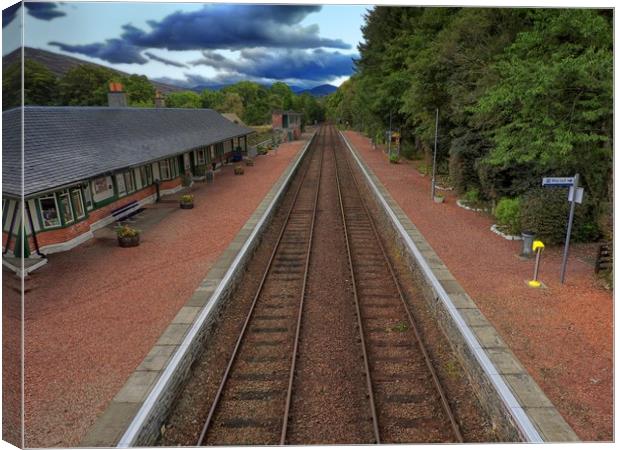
{"x":9,"y":14}
{"x":113,"y":50}
{"x":168,"y":62}
{"x":221,"y":26}
{"x":233,"y":27}
{"x":317,"y":65}
{"x":44,"y":11}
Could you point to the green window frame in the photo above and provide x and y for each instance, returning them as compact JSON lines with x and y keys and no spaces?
{"x":77,"y":202}
{"x":165,"y":172}
{"x":119,"y":181}
{"x":49,"y":217}
{"x":201,"y":159}
{"x":130,"y":183}
{"x":66,"y":209}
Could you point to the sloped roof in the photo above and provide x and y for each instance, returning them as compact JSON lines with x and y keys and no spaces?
{"x":234,"y":118}
{"x":66,"y":144}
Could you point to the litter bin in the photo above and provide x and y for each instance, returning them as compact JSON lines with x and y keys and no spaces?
{"x":528,"y":240}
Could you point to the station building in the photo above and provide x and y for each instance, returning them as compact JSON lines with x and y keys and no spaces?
{"x":287,"y":123}
{"x":86,"y":167}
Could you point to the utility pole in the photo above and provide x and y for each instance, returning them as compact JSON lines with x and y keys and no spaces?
{"x":434,"y":155}
{"x":390,"y":137}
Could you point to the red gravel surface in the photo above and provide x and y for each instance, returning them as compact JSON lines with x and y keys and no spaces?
{"x":563,"y":334}
{"x":93,"y":313}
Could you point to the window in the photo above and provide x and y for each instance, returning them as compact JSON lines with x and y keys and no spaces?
{"x":164,"y":169}
{"x":147,"y":175}
{"x":88,"y":201}
{"x":200,"y":157}
{"x":78,"y":205}
{"x":65,"y":205}
{"x":120,"y":184}
{"x":129,"y":182}
{"x":101,"y":185}
{"x":49,"y":211}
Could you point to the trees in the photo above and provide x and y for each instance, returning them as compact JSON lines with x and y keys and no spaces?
{"x":85,"y":85}
{"x":522,"y":93}
{"x":183,"y":99}
{"x":140,"y":91}
{"x":40,"y":85}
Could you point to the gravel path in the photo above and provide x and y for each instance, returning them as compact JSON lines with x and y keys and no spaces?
{"x":93,"y":313}
{"x":562,"y":334}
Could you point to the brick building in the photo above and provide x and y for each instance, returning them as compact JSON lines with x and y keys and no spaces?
{"x":86,"y":167}
{"x":287,"y":123}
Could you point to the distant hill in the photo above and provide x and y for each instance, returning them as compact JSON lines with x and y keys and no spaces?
{"x":317,"y":91}
{"x":321,"y":90}
{"x":61,"y":64}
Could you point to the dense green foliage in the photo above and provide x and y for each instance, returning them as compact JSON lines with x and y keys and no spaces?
{"x":507,"y":214}
{"x":545,"y":210}
{"x":87,"y":85}
{"x":521,"y":94}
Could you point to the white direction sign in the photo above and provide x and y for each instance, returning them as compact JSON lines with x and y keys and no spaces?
{"x":575,"y":195}
{"x":558,"y":181}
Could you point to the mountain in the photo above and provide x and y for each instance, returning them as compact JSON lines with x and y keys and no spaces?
{"x":320,"y":91}
{"x":317,"y":91}
{"x":61,"y":64}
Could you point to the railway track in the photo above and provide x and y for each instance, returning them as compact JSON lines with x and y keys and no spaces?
{"x":406,"y":399}
{"x":252,"y":401}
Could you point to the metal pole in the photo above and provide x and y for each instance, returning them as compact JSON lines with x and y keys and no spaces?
{"x":537,"y":264}
{"x":390,"y":137}
{"x":434,"y":155}
{"x":569,"y":229}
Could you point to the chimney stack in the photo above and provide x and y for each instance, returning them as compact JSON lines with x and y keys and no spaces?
{"x":160,"y":101}
{"x":117,"y":98}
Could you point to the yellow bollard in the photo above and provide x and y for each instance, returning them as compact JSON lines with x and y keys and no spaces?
{"x":538,"y":247}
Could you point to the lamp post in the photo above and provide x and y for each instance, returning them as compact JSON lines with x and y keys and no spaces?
{"x":434,"y":155}
{"x":390,"y":137}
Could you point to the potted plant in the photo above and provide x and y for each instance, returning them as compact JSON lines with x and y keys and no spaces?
{"x":187,"y":201}
{"x":438,"y":198}
{"x":128,"y":236}
{"x":239,"y":170}
{"x":249,"y":162}
{"x":394,"y":159}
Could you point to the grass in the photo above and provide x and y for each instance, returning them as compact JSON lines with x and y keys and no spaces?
{"x":400,"y":327}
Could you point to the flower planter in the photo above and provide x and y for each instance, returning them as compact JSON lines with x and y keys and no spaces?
{"x":239,"y":170}
{"x":438,"y":199}
{"x":186,"y":205}
{"x":132,"y":241}
{"x":249,"y":162}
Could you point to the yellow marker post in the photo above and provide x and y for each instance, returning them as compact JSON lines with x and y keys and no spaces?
{"x":538,"y":247}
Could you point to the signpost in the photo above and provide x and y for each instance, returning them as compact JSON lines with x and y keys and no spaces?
{"x":575,"y":195}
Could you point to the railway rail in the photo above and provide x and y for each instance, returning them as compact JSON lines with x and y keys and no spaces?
{"x":406,"y":402}
{"x":256,"y":386}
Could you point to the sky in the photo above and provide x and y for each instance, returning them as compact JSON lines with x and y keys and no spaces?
{"x":198,"y":44}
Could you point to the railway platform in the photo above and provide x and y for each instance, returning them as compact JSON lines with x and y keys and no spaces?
{"x":563,"y":335}
{"x":93,"y":313}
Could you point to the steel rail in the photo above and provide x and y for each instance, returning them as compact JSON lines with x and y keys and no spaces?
{"x":371,"y":398}
{"x":289,"y":392}
{"x":233,"y":357}
{"x":523,"y":422}
{"x":438,"y":387}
